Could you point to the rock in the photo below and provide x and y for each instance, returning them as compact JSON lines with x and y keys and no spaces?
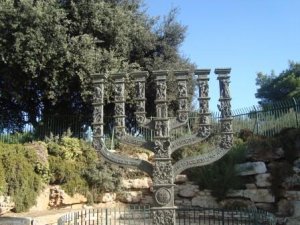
{"x":188,"y":190}
{"x":293,"y":221}
{"x":285,"y":208}
{"x":250,"y":186}
{"x":42,"y":201}
{"x":292,"y":182}
{"x":107,"y":197}
{"x":263,"y":180}
{"x":205,"y":201}
{"x":250,"y":168}
{"x":180,"y":179}
{"x":58,"y":198}
{"x":296,"y":206}
{"x":142,"y":156}
{"x":255,"y":195}
{"x":292,"y":195}
{"x":130,"y":196}
{"x":140,"y":183}
{"x":6,"y":204}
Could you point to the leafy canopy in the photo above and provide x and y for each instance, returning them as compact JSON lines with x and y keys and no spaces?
{"x":49,"y":49}
{"x":276,"y":88}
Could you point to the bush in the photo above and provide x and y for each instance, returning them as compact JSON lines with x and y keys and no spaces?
{"x":75,"y":165}
{"x":22,"y":183}
{"x":220,"y":177}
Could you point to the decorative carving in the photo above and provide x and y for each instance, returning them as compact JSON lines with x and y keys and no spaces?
{"x":226,"y":141}
{"x":140,"y":90}
{"x":98,"y":114}
{"x":163,"y":196}
{"x":182,"y":104}
{"x":213,"y":155}
{"x":140,"y":106}
{"x":161,"y":128}
{"x":98,"y":130}
{"x":225,"y":109}
{"x":203,"y":86}
{"x":161,"y":91}
{"x":204,"y":131}
{"x":161,"y":148}
{"x":224,"y":88}
{"x":98,"y":93}
{"x":204,"y":119}
{"x":163,"y":217}
{"x":226,"y":126}
{"x":182,"y":90}
{"x":183,"y":116}
{"x":162,"y":172}
{"x":118,"y":90}
{"x":204,"y":106}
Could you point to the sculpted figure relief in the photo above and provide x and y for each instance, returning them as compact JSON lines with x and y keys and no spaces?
{"x":224,"y":88}
{"x":182,"y":91}
{"x":203,"y":85}
{"x":225,"y":109}
{"x":97,"y":115}
{"x":161,"y":90}
{"x":97,"y":94}
{"x":140,"y":90}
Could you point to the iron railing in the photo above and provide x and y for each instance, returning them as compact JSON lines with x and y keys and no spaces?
{"x":266,"y":120}
{"x":141,"y":215}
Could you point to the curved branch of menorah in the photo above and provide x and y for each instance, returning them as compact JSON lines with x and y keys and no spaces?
{"x":121,"y":159}
{"x":185,"y":141}
{"x":213,"y":154}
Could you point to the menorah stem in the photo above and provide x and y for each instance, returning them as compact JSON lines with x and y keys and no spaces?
{"x":119,"y":91}
{"x":204,"y":114}
{"x":182,"y":96}
{"x":163,"y":181}
{"x":98,"y":82}
{"x":225,"y":107}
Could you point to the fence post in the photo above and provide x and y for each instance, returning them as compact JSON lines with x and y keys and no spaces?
{"x":296,"y":113}
{"x":256,"y":121}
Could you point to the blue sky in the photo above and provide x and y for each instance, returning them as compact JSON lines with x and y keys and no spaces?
{"x":249,"y":36}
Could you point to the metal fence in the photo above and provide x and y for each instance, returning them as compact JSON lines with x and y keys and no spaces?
{"x":141,"y":215}
{"x":266,"y":120}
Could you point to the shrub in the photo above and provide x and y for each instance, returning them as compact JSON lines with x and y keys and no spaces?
{"x":220,"y":177}
{"x":23,"y":184}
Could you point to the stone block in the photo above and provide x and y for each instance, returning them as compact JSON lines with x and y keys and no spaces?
{"x":285,"y":208}
{"x":205,"y":201}
{"x":130,"y":196}
{"x":180,"y":179}
{"x":255,"y":195}
{"x":15,"y":221}
{"x":292,"y":195}
{"x":188,"y":191}
{"x":263,"y":180}
{"x":107,"y":197}
{"x":140,"y":183}
{"x":250,"y":168}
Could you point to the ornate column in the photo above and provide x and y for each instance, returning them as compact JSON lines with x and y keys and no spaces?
{"x":98,"y":82}
{"x":140,"y":80}
{"x":164,"y":209}
{"x":183,"y":105}
{"x":225,"y":108}
{"x":204,"y":114}
{"x":119,"y":115}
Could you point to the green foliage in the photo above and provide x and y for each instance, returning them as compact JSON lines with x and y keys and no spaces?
{"x":220,"y":177}
{"x":75,"y":165}
{"x":49,"y":49}
{"x":277,"y":88}
{"x":21,"y":182}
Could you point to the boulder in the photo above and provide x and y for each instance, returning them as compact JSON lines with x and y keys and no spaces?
{"x":6,"y":204}
{"x":107,"y":197}
{"x":269,"y":207}
{"x":250,"y":168}
{"x":263,"y":180}
{"x":139,"y":183}
{"x":180,"y":179}
{"x":130,"y":196}
{"x":285,"y":208}
{"x":292,"y":195}
{"x":188,"y":190}
{"x":255,"y":195}
{"x":296,"y":207}
{"x":205,"y":201}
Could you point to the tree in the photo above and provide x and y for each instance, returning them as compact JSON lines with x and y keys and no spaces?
{"x":276,"y":88}
{"x":49,"y":49}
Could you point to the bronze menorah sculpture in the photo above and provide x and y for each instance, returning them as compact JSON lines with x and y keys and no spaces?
{"x":162,"y":171}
